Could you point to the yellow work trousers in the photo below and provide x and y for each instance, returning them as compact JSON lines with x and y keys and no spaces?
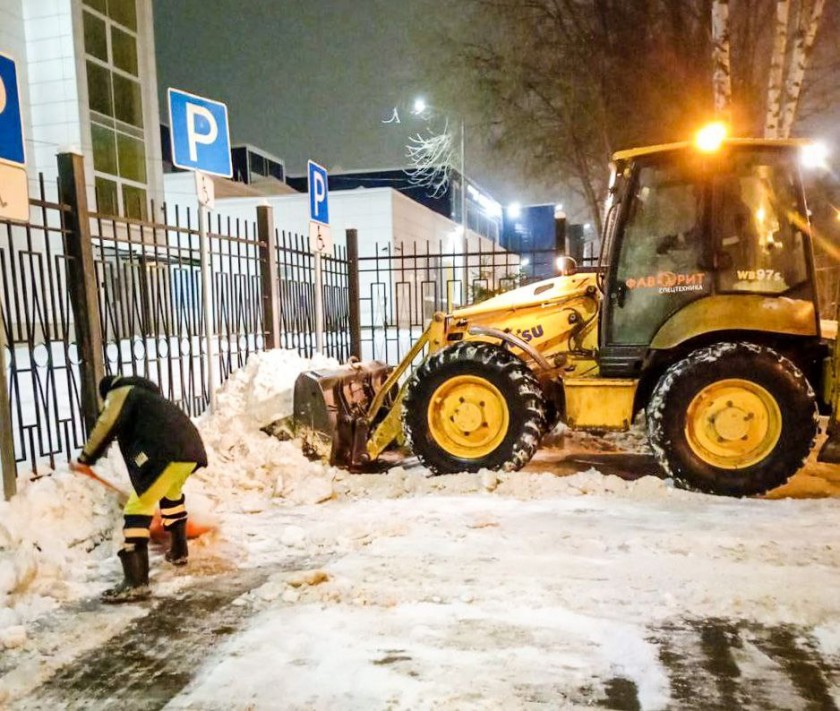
{"x":168,"y":485}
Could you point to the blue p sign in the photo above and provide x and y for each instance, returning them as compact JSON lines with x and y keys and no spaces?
{"x":319,"y":210}
{"x":200,"y":134}
{"x":11,"y":126}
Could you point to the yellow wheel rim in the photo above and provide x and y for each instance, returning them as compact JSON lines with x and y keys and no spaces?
{"x":468,"y":417}
{"x":733,"y":424}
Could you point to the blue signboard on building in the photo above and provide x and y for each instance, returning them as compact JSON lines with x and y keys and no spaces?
{"x":200,"y":134}
{"x":11,"y":124}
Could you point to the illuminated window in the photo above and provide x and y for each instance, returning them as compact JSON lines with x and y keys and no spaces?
{"x":756,"y":209}
{"x":116,"y":106}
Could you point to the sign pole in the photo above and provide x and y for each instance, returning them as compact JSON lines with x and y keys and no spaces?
{"x":207,"y":302}
{"x":319,"y":304}
{"x":7,"y":443}
{"x":320,"y":239}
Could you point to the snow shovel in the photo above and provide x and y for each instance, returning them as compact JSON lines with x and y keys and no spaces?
{"x":195,"y":526}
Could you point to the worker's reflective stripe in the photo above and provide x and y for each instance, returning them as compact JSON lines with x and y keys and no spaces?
{"x":102,"y":430}
{"x":172,"y":511}
{"x":136,"y":532}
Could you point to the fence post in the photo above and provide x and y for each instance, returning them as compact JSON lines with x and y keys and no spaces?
{"x":354,"y":293}
{"x":81,"y":278}
{"x":7,"y":441}
{"x":268,"y":266}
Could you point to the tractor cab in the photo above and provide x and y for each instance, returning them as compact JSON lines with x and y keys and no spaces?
{"x":700,"y":242}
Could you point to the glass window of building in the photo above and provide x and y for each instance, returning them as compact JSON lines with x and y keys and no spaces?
{"x":116,"y":106}
{"x":257,"y":162}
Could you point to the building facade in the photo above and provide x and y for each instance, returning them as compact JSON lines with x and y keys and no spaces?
{"x":484,"y":214}
{"x":89,"y":84}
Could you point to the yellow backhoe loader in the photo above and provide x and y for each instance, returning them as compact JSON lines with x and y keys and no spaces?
{"x":702,"y":312}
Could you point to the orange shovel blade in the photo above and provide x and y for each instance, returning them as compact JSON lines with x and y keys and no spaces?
{"x":195,"y":528}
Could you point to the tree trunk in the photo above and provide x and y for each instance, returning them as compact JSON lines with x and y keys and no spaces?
{"x":798,"y":63}
{"x":722,"y":78}
{"x":777,"y":64}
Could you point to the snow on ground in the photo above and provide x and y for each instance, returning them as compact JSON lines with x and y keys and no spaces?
{"x":422,"y":594}
{"x":512,"y":581}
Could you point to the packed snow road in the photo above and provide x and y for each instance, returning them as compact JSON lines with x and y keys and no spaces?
{"x":564,"y":586}
{"x":639,"y":597}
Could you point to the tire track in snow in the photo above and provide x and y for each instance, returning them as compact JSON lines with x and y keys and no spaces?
{"x":155,"y":656}
{"x":719,"y":665}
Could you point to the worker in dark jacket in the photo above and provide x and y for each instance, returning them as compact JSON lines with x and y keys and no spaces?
{"x":161,"y":448}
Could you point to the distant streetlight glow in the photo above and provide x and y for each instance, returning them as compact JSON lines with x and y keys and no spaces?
{"x":514,"y":210}
{"x":815,"y":155}
{"x":419,"y":105}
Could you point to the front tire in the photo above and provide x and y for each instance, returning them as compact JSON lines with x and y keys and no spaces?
{"x":735,"y":419}
{"x":472,"y":406}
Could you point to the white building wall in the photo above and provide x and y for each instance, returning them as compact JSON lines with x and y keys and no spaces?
{"x":52,"y":83}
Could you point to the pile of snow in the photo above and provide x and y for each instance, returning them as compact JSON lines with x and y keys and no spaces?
{"x":55,"y":534}
{"x":247,"y":467}
{"x":399,"y":482}
{"x":59,"y":535}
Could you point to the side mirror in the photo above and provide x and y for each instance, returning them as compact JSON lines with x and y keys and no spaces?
{"x":566,"y":266}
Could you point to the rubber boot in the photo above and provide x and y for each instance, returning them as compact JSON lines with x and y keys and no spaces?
{"x":135,"y":584}
{"x":178,"y":552}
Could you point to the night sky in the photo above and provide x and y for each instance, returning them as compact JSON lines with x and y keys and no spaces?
{"x":315,"y":79}
{"x":302,"y":78}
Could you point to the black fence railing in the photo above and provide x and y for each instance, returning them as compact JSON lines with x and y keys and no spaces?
{"x":83,"y":294}
{"x":402,"y":286}
{"x":296,"y":277}
{"x":42,"y":355}
{"x":151,"y":301}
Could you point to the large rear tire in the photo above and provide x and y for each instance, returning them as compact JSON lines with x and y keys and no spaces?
{"x":734,"y":419}
{"x":472,"y":406}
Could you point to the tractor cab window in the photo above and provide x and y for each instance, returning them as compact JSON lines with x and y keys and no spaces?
{"x":757,"y":206}
{"x":661,"y":248}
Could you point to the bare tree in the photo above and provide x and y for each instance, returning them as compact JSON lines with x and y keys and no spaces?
{"x":558,"y":85}
{"x":777,"y":65}
{"x":722,"y":76}
{"x":802,"y":47}
{"x":431,"y":158}
{"x":555,"y":86}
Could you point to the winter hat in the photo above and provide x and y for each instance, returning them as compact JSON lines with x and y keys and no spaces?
{"x":107,"y":384}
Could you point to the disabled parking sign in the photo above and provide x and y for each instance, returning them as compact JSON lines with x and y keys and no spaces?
{"x":320,"y":235}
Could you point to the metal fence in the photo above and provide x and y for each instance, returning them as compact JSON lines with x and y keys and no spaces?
{"x":296,"y":277}
{"x":83,"y":294}
{"x":402,"y":286}
{"x":151,"y":301}
{"x":41,"y":352}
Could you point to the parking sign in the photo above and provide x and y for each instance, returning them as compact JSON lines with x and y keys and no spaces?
{"x":319,"y":210}
{"x":200,"y":133}
{"x":11,"y":125}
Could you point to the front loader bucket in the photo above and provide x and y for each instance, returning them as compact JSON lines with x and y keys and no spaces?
{"x":330,"y":410}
